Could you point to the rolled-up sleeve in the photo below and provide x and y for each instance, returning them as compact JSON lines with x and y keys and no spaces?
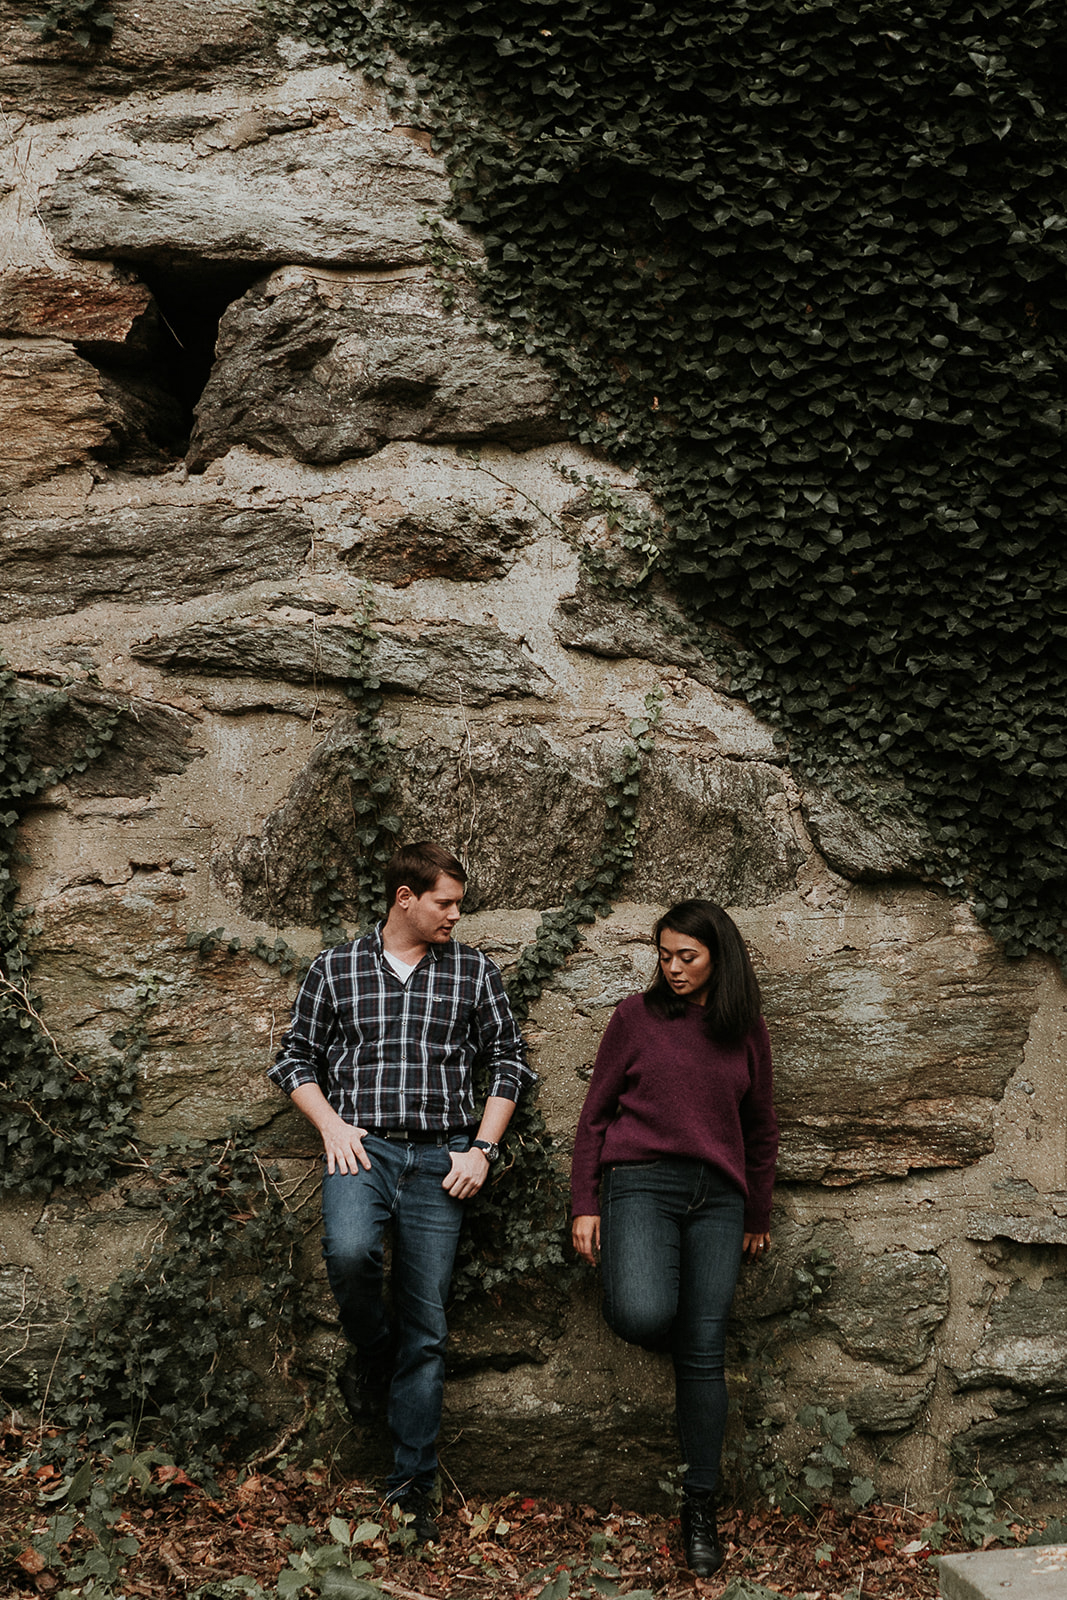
{"x":498,"y":1042}
{"x":303,"y":1056}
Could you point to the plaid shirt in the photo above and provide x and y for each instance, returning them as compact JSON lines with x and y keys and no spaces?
{"x":389,"y":1054}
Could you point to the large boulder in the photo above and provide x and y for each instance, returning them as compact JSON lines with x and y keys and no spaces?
{"x":112,"y":963}
{"x":325,"y":366}
{"x":887,"y":1308}
{"x":873,"y":836}
{"x":109,"y":313}
{"x":1024,"y":1345}
{"x":269,"y":187}
{"x":139,"y":742}
{"x":532,"y":808}
{"x":894,"y":1059}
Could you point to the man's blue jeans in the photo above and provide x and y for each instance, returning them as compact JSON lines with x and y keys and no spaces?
{"x":403,"y":1187}
{"x":670,"y":1251}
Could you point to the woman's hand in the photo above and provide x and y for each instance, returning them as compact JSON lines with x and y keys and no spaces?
{"x":585,"y":1237}
{"x":756,"y":1245}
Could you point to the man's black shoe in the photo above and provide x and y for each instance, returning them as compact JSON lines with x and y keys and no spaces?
{"x":703,"y":1552}
{"x":364,"y":1385}
{"x":416,"y":1505}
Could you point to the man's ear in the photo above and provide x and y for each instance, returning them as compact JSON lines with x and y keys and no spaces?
{"x":404,"y":897}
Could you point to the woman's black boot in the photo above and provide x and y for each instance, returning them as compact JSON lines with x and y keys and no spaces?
{"x":703,"y":1552}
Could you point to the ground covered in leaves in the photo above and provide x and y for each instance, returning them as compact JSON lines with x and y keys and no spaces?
{"x":137,"y":1525}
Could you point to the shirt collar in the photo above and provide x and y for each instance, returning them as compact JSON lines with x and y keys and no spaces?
{"x":379,"y":949}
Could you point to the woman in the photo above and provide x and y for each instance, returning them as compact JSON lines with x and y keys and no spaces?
{"x":678,"y":1139}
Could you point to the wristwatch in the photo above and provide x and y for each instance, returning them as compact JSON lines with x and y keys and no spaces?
{"x":489,"y":1151}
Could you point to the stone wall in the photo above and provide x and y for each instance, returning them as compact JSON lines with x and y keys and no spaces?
{"x":233,"y":403}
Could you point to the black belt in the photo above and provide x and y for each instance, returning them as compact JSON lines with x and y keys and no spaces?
{"x":408,"y":1135}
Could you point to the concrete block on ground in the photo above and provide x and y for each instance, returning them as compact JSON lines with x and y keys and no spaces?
{"x":1038,"y":1572}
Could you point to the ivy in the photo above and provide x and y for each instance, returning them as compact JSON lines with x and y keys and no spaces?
{"x":64,"y":1119}
{"x":374,"y":829}
{"x":161,"y":1350}
{"x":518,"y":1224}
{"x":88,"y":22}
{"x":160,"y":1354}
{"x":803,"y":267}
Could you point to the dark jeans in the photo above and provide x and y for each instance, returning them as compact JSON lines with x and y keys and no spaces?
{"x":403,"y":1187}
{"x":670,"y":1250}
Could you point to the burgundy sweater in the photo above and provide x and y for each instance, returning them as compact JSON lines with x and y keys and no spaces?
{"x":661,"y":1087}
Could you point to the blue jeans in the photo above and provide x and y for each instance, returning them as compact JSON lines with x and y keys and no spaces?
{"x":670,"y":1251}
{"x":403,"y":1187}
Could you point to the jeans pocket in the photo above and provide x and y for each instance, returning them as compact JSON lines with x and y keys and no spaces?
{"x":436,"y":1160}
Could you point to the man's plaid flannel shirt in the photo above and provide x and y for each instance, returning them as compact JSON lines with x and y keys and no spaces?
{"x":388,"y":1054}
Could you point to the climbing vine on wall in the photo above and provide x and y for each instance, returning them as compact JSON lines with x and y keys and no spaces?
{"x":372,"y":828}
{"x":63,"y":1119}
{"x":804,"y":267}
{"x":518,"y":1226}
{"x":161,"y":1350}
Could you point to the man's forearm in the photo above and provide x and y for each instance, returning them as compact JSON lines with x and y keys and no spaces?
{"x":342,"y":1143}
{"x":495,"y":1118}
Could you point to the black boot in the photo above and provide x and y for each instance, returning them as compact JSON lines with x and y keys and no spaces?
{"x":364,"y":1384}
{"x":703,"y":1552}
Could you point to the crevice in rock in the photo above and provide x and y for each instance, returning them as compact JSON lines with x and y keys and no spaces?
{"x":192,"y":299}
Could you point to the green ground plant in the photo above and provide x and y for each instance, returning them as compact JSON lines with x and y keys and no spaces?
{"x":88,"y":22}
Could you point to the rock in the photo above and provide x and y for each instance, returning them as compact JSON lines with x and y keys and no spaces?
{"x":872,"y":838}
{"x":57,"y":410}
{"x":111,"y":961}
{"x":887,"y":1408}
{"x":1024,"y":1345}
{"x":893,"y":1060}
{"x":988,"y":1226}
{"x":147,"y":553}
{"x":147,"y":741}
{"x":31,"y":1330}
{"x":454,"y":663}
{"x":469,"y":791}
{"x":657,"y":631}
{"x":717,"y":829}
{"x":886,"y":1308}
{"x":325,"y":367}
{"x":53,"y":412}
{"x":400,"y":544}
{"x":1027,"y":1574}
{"x":329,"y":195}
{"x":1028,"y":1437}
{"x":513,"y":1327}
{"x":110,"y":314}
{"x":172,"y":44}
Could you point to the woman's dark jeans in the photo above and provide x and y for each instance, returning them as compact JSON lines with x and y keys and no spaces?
{"x":670,"y":1250}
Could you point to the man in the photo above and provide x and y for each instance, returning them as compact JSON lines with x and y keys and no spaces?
{"x":380,"y":1055}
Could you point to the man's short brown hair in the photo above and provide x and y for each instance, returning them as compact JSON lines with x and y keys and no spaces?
{"x":418,"y":867}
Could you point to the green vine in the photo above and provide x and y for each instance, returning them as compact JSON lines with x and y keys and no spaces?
{"x":372,"y":827}
{"x":804,"y":267}
{"x":518,"y":1225}
{"x":160,"y":1352}
{"x":65,"y":1120}
{"x":159,"y":1356}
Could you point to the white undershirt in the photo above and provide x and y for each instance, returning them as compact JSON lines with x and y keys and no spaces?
{"x":403,"y":969}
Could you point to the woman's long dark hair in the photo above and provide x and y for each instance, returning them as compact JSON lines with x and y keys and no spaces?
{"x":733,"y":1002}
